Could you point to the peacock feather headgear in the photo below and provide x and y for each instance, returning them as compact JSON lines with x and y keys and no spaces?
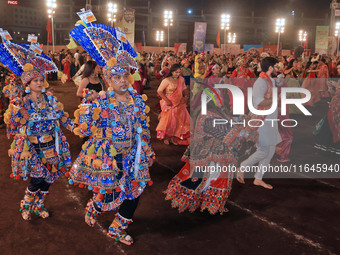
{"x":107,"y":46}
{"x":25,"y":60}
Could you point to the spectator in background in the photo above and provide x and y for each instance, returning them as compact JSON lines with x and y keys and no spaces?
{"x":61,"y":58}
{"x":76,"y":61}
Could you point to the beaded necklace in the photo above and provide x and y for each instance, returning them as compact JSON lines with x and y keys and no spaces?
{"x":39,"y":105}
{"x":122,"y":110}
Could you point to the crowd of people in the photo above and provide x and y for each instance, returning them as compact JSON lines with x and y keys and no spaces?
{"x":117,"y":153}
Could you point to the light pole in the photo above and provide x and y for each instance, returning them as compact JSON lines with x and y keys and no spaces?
{"x":168,"y":20}
{"x":337,"y":33}
{"x":231,"y":37}
{"x":159,"y":37}
{"x":112,"y":12}
{"x":302,"y":36}
{"x":51,"y":6}
{"x":225,"y":25}
{"x":279,"y":28}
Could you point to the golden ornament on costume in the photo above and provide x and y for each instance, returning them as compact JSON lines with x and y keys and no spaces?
{"x":27,"y":67}
{"x":112,"y":62}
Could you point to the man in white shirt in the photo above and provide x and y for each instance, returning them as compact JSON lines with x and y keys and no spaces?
{"x":269,"y":135}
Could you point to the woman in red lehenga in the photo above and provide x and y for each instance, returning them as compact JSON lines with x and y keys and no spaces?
{"x":174,"y":123}
{"x":67,"y":67}
{"x":197,"y":185}
{"x":328,"y":131}
{"x":310,"y":83}
{"x":140,"y":78}
{"x":323,"y":75}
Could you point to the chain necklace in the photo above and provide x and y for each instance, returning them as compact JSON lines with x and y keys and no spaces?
{"x":39,"y":105}
{"x":122,"y":111}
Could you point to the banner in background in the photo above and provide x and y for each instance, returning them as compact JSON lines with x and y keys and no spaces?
{"x":247,"y":47}
{"x":233,"y":49}
{"x":209,"y":47}
{"x":199,"y":36}
{"x":126,"y":22}
{"x":321,"y":38}
{"x":271,"y":49}
{"x":180,"y":47}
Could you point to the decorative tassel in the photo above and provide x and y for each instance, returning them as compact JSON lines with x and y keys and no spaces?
{"x":26,"y":147}
{"x":91,"y":150}
{"x":84,"y":146}
{"x":100,"y":152}
{"x":13,"y":144}
{"x":113,"y":151}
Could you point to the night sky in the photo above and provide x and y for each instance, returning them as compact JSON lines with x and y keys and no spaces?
{"x":310,"y":8}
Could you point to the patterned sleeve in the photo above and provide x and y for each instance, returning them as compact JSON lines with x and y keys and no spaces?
{"x":16,"y":120}
{"x":63,"y":116}
{"x":87,"y":117}
{"x":146,"y":141}
{"x":15,"y":117}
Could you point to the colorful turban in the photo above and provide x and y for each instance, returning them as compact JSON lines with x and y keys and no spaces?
{"x":112,"y":67}
{"x":30,"y":73}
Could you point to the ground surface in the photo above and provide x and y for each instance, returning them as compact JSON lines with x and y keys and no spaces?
{"x":300,"y":216}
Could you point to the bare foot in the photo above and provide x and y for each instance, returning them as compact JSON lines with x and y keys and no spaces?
{"x":26,"y":215}
{"x":89,"y":221}
{"x":172,"y":140}
{"x":43,"y":214}
{"x":126,"y":240}
{"x":240,"y":176}
{"x":166,"y":141}
{"x":259,"y":182}
{"x":123,"y":237}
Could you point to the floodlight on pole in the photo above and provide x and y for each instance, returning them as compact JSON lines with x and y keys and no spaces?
{"x":112,"y":12}
{"x":279,"y":28}
{"x":231,"y":37}
{"x":225,"y":25}
{"x":168,"y":22}
{"x":159,"y":37}
{"x":51,"y":6}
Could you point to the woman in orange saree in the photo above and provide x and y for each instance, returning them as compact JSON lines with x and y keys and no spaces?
{"x":174,"y":123}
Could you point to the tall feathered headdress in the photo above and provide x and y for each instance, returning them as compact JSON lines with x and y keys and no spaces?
{"x":106,"y":45}
{"x":25,"y":60}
